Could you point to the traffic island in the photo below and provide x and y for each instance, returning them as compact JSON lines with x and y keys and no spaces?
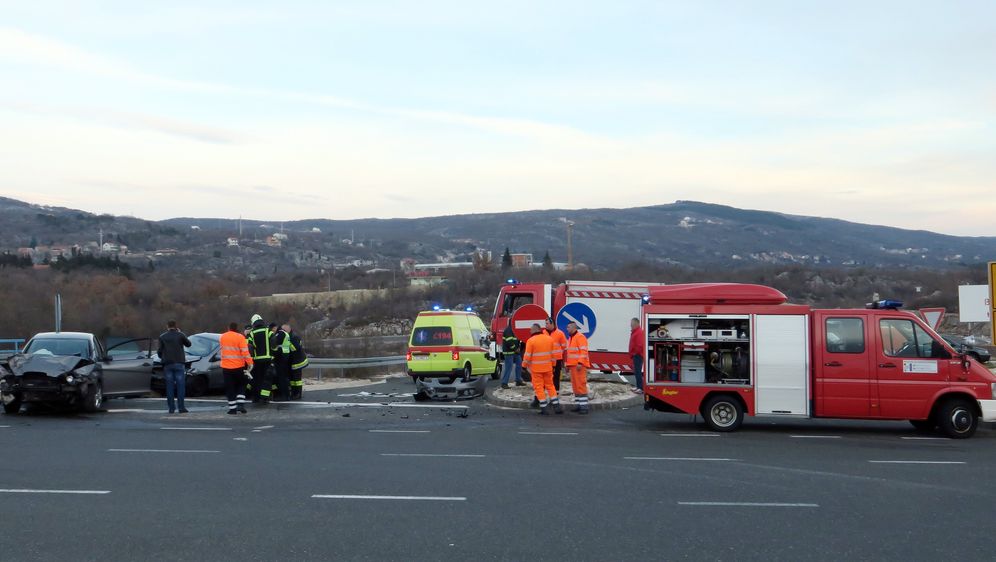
{"x":602,"y":396}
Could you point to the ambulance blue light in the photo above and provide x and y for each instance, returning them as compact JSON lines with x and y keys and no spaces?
{"x":469,"y":309}
{"x":646,"y":299}
{"x":886,"y":304}
{"x":436,"y":307}
{"x":511,"y":281}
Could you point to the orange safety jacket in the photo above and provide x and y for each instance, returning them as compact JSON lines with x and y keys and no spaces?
{"x":234,"y":351}
{"x":577,"y":351}
{"x":539,"y":355}
{"x":559,"y":344}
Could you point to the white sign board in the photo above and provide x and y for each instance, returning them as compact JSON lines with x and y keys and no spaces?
{"x":973,"y":303}
{"x":914,"y":366}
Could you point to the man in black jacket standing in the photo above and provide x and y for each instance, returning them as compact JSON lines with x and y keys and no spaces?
{"x":174,"y":362}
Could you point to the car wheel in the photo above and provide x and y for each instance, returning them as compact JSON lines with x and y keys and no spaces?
{"x":924,"y":425}
{"x":498,"y":368}
{"x":14,"y":406}
{"x":723,"y":413}
{"x":197,"y":385}
{"x":468,"y":372}
{"x":958,"y":419}
{"x":94,"y":398}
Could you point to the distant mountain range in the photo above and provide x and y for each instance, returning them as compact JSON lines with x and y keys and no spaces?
{"x":684,"y":233}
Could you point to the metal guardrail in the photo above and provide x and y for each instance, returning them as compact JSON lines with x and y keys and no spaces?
{"x":10,"y":347}
{"x":344,"y":363}
{"x":354,"y":362}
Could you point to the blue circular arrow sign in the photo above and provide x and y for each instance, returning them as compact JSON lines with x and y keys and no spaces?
{"x":579,"y":313}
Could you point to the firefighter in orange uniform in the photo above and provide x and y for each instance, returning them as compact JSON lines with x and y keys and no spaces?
{"x":578,"y":363}
{"x":539,"y":359}
{"x":559,"y":351}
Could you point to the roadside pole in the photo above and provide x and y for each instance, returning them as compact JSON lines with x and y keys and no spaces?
{"x":992,"y":302}
{"x":58,"y":312}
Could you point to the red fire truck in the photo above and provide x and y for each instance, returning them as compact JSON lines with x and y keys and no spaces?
{"x":602,"y":309}
{"x":729,"y":350}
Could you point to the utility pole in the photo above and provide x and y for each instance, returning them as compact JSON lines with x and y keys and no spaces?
{"x":570,"y":242}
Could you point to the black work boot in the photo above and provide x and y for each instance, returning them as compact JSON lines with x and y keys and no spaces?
{"x":544,"y":411}
{"x":576,"y":408}
{"x":583,"y":410}
{"x":534,"y":403}
{"x":557,"y":408}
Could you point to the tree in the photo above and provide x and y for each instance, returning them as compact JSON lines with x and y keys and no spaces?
{"x":547,"y":261}
{"x":34,"y":242}
{"x":506,"y":260}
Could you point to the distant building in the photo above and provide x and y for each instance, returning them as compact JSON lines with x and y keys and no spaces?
{"x":316,"y":230}
{"x":233,"y":242}
{"x":280,"y":236}
{"x":273,"y":242}
{"x":522,"y":260}
{"x":195,"y":227}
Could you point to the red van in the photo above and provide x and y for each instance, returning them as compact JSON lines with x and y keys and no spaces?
{"x":727,"y":350}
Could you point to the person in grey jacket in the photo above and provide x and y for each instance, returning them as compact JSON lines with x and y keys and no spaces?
{"x":174,"y":362}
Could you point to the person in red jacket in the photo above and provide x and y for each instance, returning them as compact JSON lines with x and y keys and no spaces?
{"x":636,"y":342}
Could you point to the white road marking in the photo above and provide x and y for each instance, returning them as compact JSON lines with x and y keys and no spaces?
{"x":431,"y":455}
{"x":815,"y":436}
{"x":415,"y":498}
{"x":747,"y":504}
{"x":4,"y":426}
{"x":689,"y":435}
{"x":160,"y":451}
{"x":240,"y":439}
{"x":196,"y":428}
{"x":262,"y":427}
{"x":257,"y":431}
{"x":546,"y":433}
{"x":399,"y":431}
{"x":918,"y":462}
{"x":926,"y":438}
{"x":90,"y":492}
{"x":706,"y":459}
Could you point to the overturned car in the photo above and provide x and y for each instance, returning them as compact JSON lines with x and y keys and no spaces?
{"x":72,"y":368}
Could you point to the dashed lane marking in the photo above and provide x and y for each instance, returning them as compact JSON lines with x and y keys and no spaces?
{"x":160,"y":451}
{"x":925,"y":438}
{"x":547,"y":433}
{"x":196,"y":428}
{"x":918,"y":462}
{"x":704,"y":459}
{"x":815,"y":436}
{"x":407,"y":498}
{"x":24,"y":491}
{"x":747,"y":504}
{"x":689,"y":435}
{"x":399,"y":431}
{"x":431,"y":455}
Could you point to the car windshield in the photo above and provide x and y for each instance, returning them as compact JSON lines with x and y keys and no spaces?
{"x":201,"y":346}
{"x":57,"y":346}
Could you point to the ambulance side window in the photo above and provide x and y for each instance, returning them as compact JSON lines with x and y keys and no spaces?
{"x":845,"y":335}
{"x":514,"y":301}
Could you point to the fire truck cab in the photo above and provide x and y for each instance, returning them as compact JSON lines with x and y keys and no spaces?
{"x":726,"y":351}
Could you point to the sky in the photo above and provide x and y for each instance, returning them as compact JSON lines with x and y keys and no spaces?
{"x":880,"y":112}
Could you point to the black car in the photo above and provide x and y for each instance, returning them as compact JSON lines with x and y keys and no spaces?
{"x":978,"y":353}
{"x":73,"y":368}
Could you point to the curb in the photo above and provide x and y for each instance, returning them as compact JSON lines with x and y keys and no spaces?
{"x":628,"y":402}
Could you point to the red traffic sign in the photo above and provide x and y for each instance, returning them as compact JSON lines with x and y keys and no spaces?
{"x":523,"y":319}
{"x":933,"y":317}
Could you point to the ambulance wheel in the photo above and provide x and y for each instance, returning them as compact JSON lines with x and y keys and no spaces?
{"x":497,"y":373}
{"x":723,"y":413}
{"x":468,"y":372}
{"x":958,"y":419}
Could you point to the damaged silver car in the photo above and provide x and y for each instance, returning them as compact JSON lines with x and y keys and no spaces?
{"x":74,"y":369}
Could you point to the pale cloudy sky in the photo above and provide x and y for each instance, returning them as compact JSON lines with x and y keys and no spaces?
{"x":872,"y":111}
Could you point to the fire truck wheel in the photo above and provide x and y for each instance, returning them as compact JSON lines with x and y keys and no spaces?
{"x":958,"y":419}
{"x":723,"y":413}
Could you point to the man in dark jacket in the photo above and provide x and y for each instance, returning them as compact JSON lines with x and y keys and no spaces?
{"x":511,"y":348}
{"x":174,"y":362}
{"x":261,"y":350}
{"x":298,"y":360}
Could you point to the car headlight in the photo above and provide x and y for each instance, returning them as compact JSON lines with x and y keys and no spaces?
{"x":69,"y":378}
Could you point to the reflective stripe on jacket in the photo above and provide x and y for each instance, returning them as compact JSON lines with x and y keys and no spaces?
{"x":577,"y":351}
{"x":540,"y":354}
{"x":234,"y":351}
{"x":559,"y":344}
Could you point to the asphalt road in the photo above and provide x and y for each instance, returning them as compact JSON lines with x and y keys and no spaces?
{"x":403,"y":482}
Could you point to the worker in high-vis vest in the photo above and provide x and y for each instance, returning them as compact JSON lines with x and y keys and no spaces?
{"x":578,"y":363}
{"x":299,"y":360}
{"x":262,"y":357}
{"x":560,"y":348}
{"x":539,"y":359}
{"x":282,"y":361}
{"x":235,"y":361}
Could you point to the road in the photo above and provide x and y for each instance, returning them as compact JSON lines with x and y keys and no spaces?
{"x":414,"y":483}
